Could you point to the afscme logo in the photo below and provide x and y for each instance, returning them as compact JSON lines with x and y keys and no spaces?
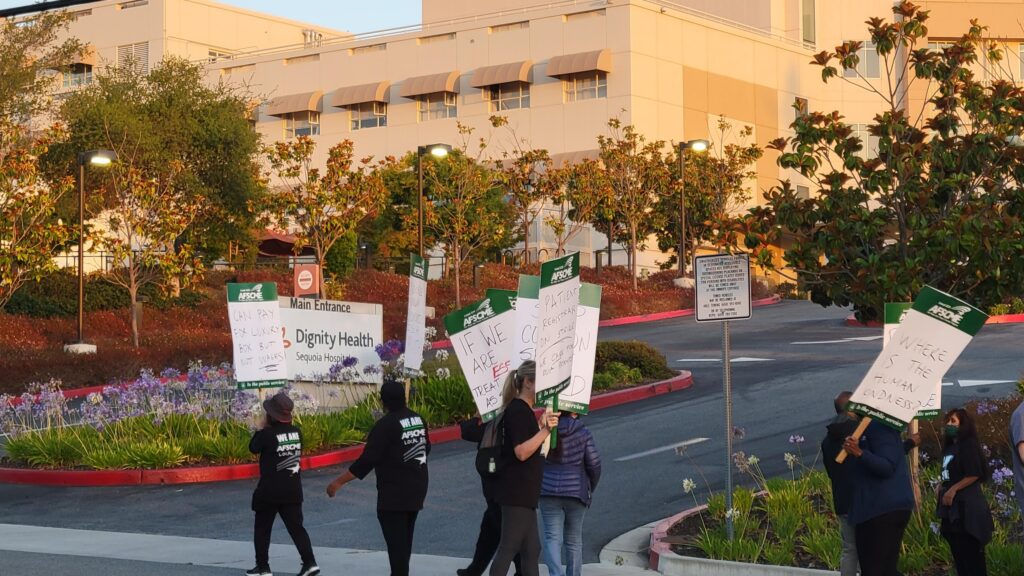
{"x":418,"y":270}
{"x":562,"y":274}
{"x":254,"y":294}
{"x":483,"y":312}
{"x":952,"y":314}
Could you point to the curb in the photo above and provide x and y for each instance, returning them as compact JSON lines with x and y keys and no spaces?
{"x":1000,"y":319}
{"x":659,"y":548}
{"x":225,"y":473}
{"x":643,"y":318}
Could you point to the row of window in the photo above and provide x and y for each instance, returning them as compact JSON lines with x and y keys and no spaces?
{"x":869,"y":65}
{"x":441,"y":105}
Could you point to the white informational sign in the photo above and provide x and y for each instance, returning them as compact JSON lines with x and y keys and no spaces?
{"x":576,"y":398}
{"x":722,"y":287}
{"x":527,"y":307}
{"x":322,"y":333}
{"x":416,"y":319}
{"x":481,"y":335}
{"x":259,"y":353}
{"x":901,"y":382}
{"x":556,"y":330}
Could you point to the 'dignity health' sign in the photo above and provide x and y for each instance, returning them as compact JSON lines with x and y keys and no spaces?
{"x":722,"y":287}
{"x":481,"y":335}
{"x":556,"y":333}
{"x":321,"y":333}
{"x":255,"y":317}
{"x":901,"y":382}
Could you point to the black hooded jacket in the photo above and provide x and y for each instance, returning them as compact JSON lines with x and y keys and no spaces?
{"x":841,"y":475}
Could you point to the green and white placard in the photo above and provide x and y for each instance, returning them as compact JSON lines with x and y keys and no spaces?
{"x":556,"y":328}
{"x":894,"y":314}
{"x":576,"y":398}
{"x":256,"y":335}
{"x":481,"y":335}
{"x":527,"y":315}
{"x":416,"y":318}
{"x":933,"y":334}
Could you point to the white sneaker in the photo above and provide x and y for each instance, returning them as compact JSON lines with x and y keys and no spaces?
{"x":309,"y":570}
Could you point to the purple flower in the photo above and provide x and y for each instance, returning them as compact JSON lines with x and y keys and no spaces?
{"x":796,"y":439}
{"x":1001,"y":475}
{"x":739,"y":432}
{"x":349,"y":361}
{"x":986,"y":407}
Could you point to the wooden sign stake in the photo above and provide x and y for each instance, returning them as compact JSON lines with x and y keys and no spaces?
{"x":856,"y":436}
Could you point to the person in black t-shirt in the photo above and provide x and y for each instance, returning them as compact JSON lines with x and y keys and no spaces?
{"x":519,"y":481}
{"x":966,"y":519}
{"x":279,"y":491}
{"x":396,"y":449}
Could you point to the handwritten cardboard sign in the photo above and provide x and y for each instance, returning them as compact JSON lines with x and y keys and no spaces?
{"x":576,"y":397}
{"x":256,"y":335}
{"x":416,"y":319}
{"x":894,"y":312}
{"x":527,"y":317}
{"x":481,"y":335}
{"x":556,"y":330}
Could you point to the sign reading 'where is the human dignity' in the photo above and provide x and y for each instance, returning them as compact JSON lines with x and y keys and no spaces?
{"x":932,"y":335}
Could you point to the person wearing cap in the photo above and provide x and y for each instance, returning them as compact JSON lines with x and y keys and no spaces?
{"x":396,"y":449}
{"x":279,"y":492}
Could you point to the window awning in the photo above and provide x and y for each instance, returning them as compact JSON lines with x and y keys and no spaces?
{"x":431,"y":84}
{"x":502,"y":74}
{"x":305,"y":102}
{"x":599,"y":60}
{"x":569,"y":158}
{"x":87,"y":57}
{"x":352,"y":95}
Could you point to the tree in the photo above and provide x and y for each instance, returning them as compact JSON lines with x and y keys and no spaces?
{"x":639,"y":179}
{"x":32,"y":51}
{"x":323,"y":206}
{"x":715,"y":189}
{"x":584,"y":198}
{"x":393,"y":232}
{"x":29,"y":231}
{"x":465,"y":210}
{"x":939,"y":203}
{"x":528,"y":178}
{"x":179,"y":123}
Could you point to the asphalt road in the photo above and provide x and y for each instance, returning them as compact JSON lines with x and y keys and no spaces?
{"x":780,"y":389}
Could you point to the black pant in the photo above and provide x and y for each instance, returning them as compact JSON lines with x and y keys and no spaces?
{"x":968,"y":553}
{"x":291,"y":514}
{"x":487,"y":542}
{"x":398,"y":528}
{"x":518,"y":536}
{"x":878,"y":543}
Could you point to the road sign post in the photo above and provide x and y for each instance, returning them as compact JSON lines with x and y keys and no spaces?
{"x":723,"y":294}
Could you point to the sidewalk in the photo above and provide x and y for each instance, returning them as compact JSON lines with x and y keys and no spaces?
{"x":223,"y":555}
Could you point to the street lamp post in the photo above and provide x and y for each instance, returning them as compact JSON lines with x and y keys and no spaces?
{"x":437,"y":151}
{"x":696,"y":146}
{"x":93,"y":158}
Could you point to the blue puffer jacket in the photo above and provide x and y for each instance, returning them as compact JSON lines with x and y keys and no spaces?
{"x":573,"y":468}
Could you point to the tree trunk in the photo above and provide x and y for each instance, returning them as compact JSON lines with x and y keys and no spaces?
{"x":632,"y":254}
{"x":133,"y":294}
{"x":321,"y":257}
{"x":526,"y":236}
{"x":458,"y":277}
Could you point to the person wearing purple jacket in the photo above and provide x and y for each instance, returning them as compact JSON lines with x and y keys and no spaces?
{"x":571,"y":472}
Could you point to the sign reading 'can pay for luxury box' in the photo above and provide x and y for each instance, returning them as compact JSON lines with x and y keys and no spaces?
{"x":255,"y":317}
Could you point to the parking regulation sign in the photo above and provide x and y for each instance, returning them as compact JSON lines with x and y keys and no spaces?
{"x":722,"y":287}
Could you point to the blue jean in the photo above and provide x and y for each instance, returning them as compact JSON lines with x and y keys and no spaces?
{"x":562,"y":519}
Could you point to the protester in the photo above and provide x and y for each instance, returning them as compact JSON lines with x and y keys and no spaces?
{"x":279,"y":491}
{"x":572,"y":470}
{"x":490,"y":526}
{"x":397,"y":449}
{"x":966,"y":519}
{"x":522,"y":471}
{"x":841,"y":475}
{"x":1017,"y":439}
{"x":882,"y":498}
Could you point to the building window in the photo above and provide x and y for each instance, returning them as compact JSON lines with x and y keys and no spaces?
{"x":301,"y":59}
{"x":869,"y":142}
{"x":217,"y":55}
{"x":301,"y":124}
{"x":808,"y":14}
{"x":585,"y":86}
{"x":803,"y":192}
{"x":583,"y":15}
{"x":81,"y":13}
{"x":78,"y":75}
{"x":939,"y":46}
{"x":238,"y":70}
{"x":132,"y":4}
{"x":438,"y":106}
{"x":868,"y":66}
{"x":508,"y":96}
{"x":368,"y":115}
{"x":368,"y":49}
{"x":136,"y":55}
{"x":801,"y":107}
{"x":257,"y":112}
{"x":1022,"y":60}
{"x":435,"y":39}
{"x":510,"y":27}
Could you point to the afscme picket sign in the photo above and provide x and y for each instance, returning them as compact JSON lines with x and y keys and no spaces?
{"x":416,"y":318}
{"x":481,"y":334}
{"x":256,"y":338}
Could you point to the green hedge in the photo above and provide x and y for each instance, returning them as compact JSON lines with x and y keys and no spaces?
{"x":56,"y":295}
{"x":633,"y":354}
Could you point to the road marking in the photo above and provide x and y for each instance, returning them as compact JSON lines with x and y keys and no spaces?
{"x":843,"y":341}
{"x":741,"y":359}
{"x":662,"y":449}
{"x":969,"y":383}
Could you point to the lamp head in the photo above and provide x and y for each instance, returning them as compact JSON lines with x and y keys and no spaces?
{"x":97,"y":157}
{"x":697,"y":145}
{"x":439,"y":150}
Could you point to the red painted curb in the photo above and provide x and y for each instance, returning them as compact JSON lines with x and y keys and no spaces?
{"x":657,"y":547}
{"x":1000,"y":319}
{"x":251,"y":470}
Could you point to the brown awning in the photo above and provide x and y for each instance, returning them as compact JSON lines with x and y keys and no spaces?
{"x":88,"y":56}
{"x":502,"y":74}
{"x":600,"y":60}
{"x":431,"y":84}
{"x":305,"y":102}
{"x":351,"y":95}
{"x":569,"y":158}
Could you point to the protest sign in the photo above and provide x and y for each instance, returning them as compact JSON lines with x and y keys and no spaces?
{"x":255,"y":318}
{"x":901,"y":382}
{"x":322,"y":333}
{"x":481,"y":335}
{"x":576,"y":398}
{"x":527,"y":314}
{"x":416,"y":318}
{"x":556,"y":329}
{"x":893,"y":315}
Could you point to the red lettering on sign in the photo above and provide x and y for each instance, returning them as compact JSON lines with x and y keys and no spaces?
{"x":501,"y":369}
